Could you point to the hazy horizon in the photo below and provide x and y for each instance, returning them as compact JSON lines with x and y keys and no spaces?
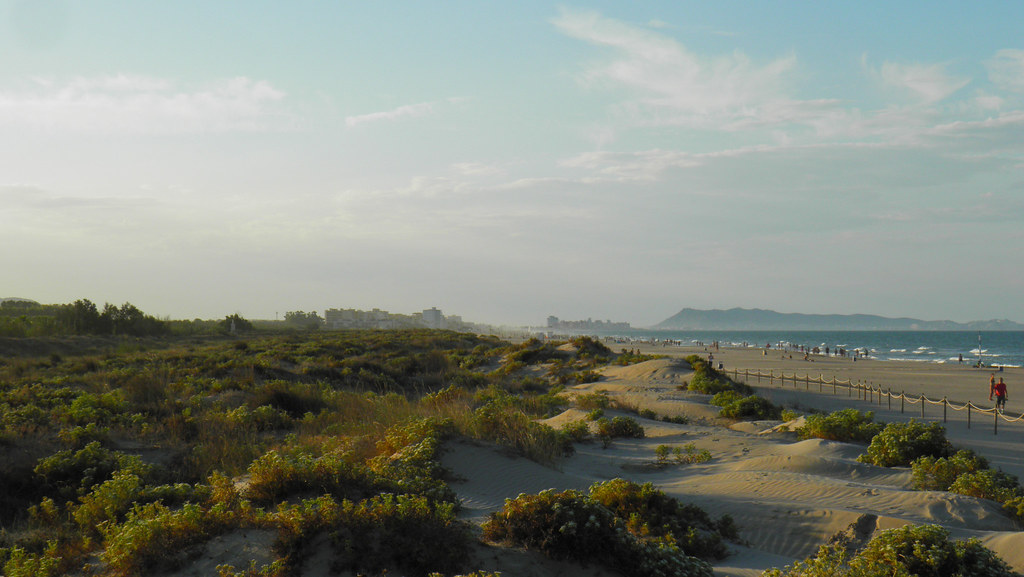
{"x":509,"y":161}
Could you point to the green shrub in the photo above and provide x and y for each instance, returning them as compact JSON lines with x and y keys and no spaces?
{"x":1014,"y":507}
{"x":625,"y":427}
{"x":592,"y":401}
{"x":73,"y":473}
{"x":688,"y":454}
{"x":571,"y":525}
{"x":21,"y":563}
{"x":898,"y":444}
{"x":583,"y":377}
{"x":661,"y":452}
{"x":276,"y":475}
{"x":506,"y":425}
{"x":909,"y":551}
{"x":752,"y":407}
{"x":939,"y":473}
{"x":846,"y":425}
{"x":79,"y":436}
{"x":650,"y":512}
{"x":789,"y":415}
{"x":403,"y":532}
{"x":578,"y":431}
{"x":987,"y":484}
{"x":724,"y":398}
{"x":702,"y":382}
{"x":155,"y":537}
{"x":709,"y":381}
{"x":588,"y":347}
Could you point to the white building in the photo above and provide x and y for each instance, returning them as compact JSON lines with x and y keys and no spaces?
{"x":433,"y":318}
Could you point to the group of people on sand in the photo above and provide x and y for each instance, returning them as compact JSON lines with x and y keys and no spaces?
{"x":997,"y":389}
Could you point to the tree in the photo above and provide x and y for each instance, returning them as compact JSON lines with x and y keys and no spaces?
{"x":310,"y":320}
{"x":235,"y":323}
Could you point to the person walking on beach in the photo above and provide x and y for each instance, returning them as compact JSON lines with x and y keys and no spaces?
{"x":999,"y":390}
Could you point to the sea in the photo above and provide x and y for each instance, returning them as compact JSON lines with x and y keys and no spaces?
{"x":992,"y":348}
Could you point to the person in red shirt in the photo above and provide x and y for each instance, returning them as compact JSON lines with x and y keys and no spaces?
{"x":999,"y":390}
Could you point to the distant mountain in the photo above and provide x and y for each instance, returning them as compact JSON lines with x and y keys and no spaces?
{"x":759,"y":319}
{"x":17,"y":300}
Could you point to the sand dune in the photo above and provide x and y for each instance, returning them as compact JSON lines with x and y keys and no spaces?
{"x":788,"y":496}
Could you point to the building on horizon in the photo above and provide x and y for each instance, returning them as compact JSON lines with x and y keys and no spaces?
{"x":555,"y":323}
{"x":433,"y":319}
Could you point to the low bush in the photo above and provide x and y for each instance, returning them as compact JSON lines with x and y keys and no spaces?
{"x":592,"y":401}
{"x":398,"y":532}
{"x":504,"y":424}
{"x":618,"y":427}
{"x":987,"y":484}
{"x":898,"y":444}
{"x":571,"y":525}
{"x":752,"y":407}
{"x":578,"y":431}
{"x":583,"y":377}
{"x":939,"y":473}
{"x":789,"y":415}
{"x":686,"y":455}
{"x":709,"y":381}
{"x":909,"y":551}
{"x":155,"y":537}
{"x":650,"y":512}
{"x":587,"y":347}
{"x":847,"y":425}
{"x":69,"y":474}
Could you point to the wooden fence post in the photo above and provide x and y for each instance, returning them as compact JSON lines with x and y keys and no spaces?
{"x":995,"y":422}
{"x":903,"y":398}
{"x":945,"y":404}
{"x":968,"y":414}
{"x":922,"y":406}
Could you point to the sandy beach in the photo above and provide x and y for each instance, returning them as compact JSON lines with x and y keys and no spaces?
{"x":788,"y":496}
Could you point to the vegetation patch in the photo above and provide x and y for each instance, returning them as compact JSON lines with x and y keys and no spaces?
{"x":752,"y":407}
{"x":846,"y":425}
{"x":706,"y":379}
{"x":898,"y":444}
{"x":910,"y":551}
{"x":575,"y":526}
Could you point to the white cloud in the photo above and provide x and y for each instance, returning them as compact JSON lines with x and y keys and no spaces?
{"x":1006,"y":70}
{"x":626,"y":166}
{"x":673,"y":84}
{"x":925,"y":83}
{"x":139,"y":104}
{"x":407,"y":111}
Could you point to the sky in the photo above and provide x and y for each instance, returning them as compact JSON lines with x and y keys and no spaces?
{"x":506,"y":161}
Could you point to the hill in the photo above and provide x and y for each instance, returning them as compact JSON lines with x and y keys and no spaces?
{"x":760,"y":319}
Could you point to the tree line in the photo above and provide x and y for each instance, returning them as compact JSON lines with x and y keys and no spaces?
{"x":82,"y":317}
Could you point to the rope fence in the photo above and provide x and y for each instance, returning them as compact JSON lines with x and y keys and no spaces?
{"x":874,"y":395}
